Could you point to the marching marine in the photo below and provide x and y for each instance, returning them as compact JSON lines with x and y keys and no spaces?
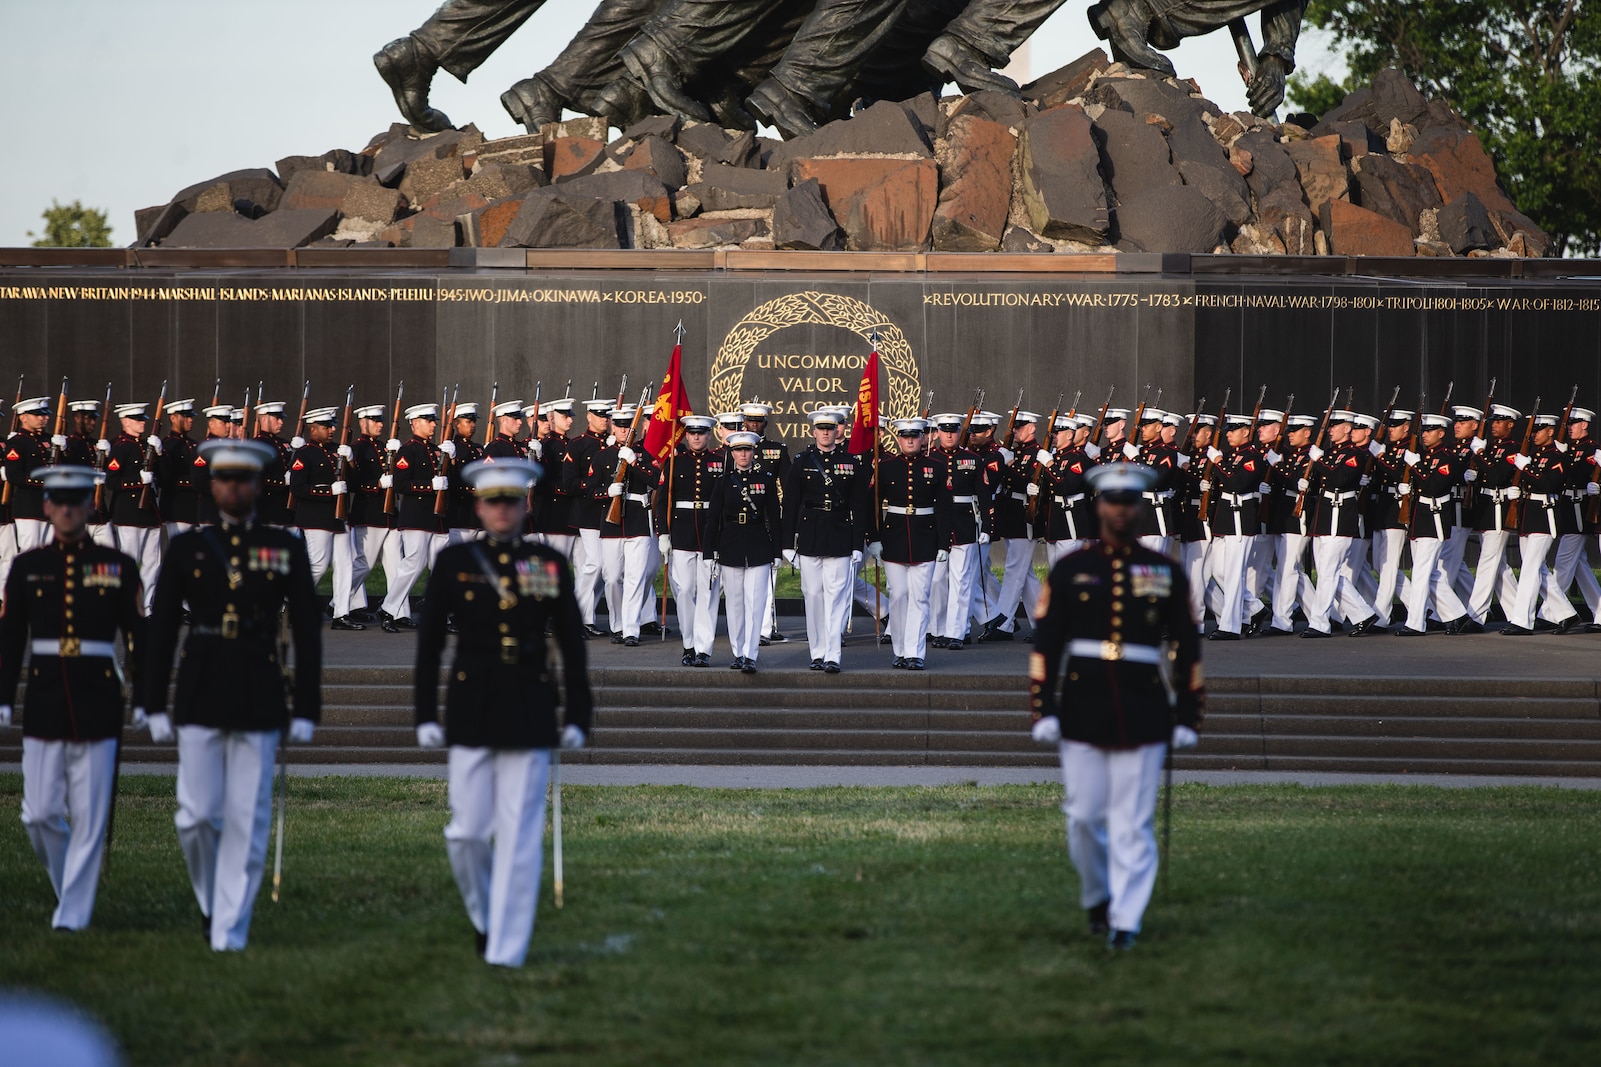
{"x":913,"y":532}
{"x":1487,"y":513}
{"x":131,"y":490}
{"x":1237,"y":474}
{"x":957,"y":582}
{"x":176,"y":498}
{"x":682,"y":508}
{"x":624,"y":546}
{"x":504,"y":591}
{"x":314,"y":481}
{"x":587,"y":513}
{"x":461,"y":523}
{"x":373,"y":541}
{"x":417,"y":484}
{"x":27,"y":454}
{"x":741,"y":538}
{"x":1011,"y":527}
{"x":273,"y":506}
{"x":1435,"y":476}
{"x":69,"y":604}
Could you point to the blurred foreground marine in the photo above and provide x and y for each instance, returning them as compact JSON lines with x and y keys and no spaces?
{"x":67,"y":603}
{"x":1120,"y":616}
{"x":503,"y":592}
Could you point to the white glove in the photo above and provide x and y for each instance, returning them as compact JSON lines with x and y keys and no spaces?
{"x":440,"y":483}
{"x":1043,"y":458}
{"x":614,"y":489}
{"x":155,"y":443}
{"x":611,"y":439}
{"x":1403,"y":489}
{"x":140,"y":719}
{"x":338,"y":489}
{"x":386,"y":481}
{"x":1562,"y":446}
{"x":1206,"y":486}
{"x":1477,"y":444}
{"x":102,"y":445}
{"x":297,"y":442}
{"x":856,"y":559}
{"x":1033,"y":489}
{"x":1264,"y":488}
{"x":1184,"y":737}
{"x":1411,"y":458}
{"x":942,"y":556}
{"x":160,"y":728}
{"x":1130,"y":452}
{"x":1214,"y":455}
{"x":1592,"y":488}
{"x":1092,"y":450}
{"x":1047,"y":731}
{"x":626,"y":454}
{"x":1273,"y":457}
{"x":1302,"y":484}
{"x":789,"y":556}
{"x":300,"y":731}
{"x":430,"y":735}
{"x":58,"y":441}
{"x":146,"y":478}
{"x":5,"y":716}
{"x":665,"y":543}
{"x":875,"y":549}
{"x":983,"y":538}
{"x":1520,"y":461}
{"x":572,"y":737}
{"x":1183,"y":460}
{"x":1513,"y":492}
{"x":1470,"y":475}
{"x":345,"y":453}
{"x":1362,"y":482}
{"x":1006,"y":456}
{"x":1375,"y":448}
{"x":536,"y":448}
{"x":1315,"y":453}
{"x":392,"y":445}
{"x":448,"y":448}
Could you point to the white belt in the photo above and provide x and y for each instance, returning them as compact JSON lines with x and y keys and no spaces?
{"x":72,"y":647}
{"x":1337,"y":498}
{"x":1113,"y":650}
{"x":964,"y":499}
{"x":1154,"y":498}
{"x":692,"y":505}
{"x":1538,"y":498}
{"x":1241,"y":498}
{"x":1020,"y":496}
{"x":638,"y":498}
{"x":1497,"y":495}
{"x":1435,"y":502}
{"x":1069,"y":501}
{"x":892,"y":510}
{"x":1296,"y":492}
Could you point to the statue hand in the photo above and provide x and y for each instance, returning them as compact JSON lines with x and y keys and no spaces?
{"x":1266,"y":91}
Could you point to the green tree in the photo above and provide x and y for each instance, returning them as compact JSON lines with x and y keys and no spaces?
{"x":73,"y":226}
{"x":1524,"y":73}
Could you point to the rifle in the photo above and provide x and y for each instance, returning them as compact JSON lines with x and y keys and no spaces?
{"x":1209,"y":472}
{"x":1484,"y":430}
{"x":216,"y":393}
{"x":1039,"y":475}
{"x":1317,"y":442}
{"x":1139,"y":413}
{"x":150,"y":451}
{"x":533,"y":430}
{"x":340,"y":468}
{"x":389,"y":457}
{"x":446,"y":426}
{"x":253,"y":429}
{"x":1100,"y":420}
{"x":1404,"y":513}
{"x":100,"y":457}
{"x":614,"y":513}
{"x":1189,"y":434}
{"x":245,"y":418}
{"x":1365,"y":494}
{"x":1514,"y":508}
{"x":1009,"y":438}
{"x":928,"y":403}
{"x":1256,"y":413}
{"x":299,"y":431}
{"x":967,"y":423}
{"x":5,"y":491}
{"x":61,"y":424}
{"x":489,"y":416}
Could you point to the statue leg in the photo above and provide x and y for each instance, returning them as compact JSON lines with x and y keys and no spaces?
{"x":681,"y":41}
{"x":821,"y":61}
{"x":1126,"y":26}
{"x":588,"y":63}
{"x":894,"y":69}
{"x":458,"y":37}
{"x":983,"y":37}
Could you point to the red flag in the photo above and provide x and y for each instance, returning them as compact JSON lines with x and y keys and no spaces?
{"x":662,"y":435}
{"x":864,"y":431}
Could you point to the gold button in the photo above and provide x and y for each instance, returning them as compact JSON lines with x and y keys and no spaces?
{"x":461,"y":676}
{"x":230,"y":607}
{"x":234,"y":540}
{"x":468,"y":595}
{"x":1083,"y":596}
{"x":504,"y":558}
{"x":197,"y":572}
{"x":69,"y":613}
{"x":69,"y":598}
{"x":505,"y":628}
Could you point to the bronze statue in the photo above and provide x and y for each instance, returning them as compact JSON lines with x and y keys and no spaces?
{"x":820,"y":63}
{"x":458,"y":37}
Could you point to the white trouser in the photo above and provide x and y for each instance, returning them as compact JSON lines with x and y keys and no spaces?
{"x":1570,"y":564}
{"x":747,"y":591}
{"x":695,"y":591}
{"x":328,"y":549}
{"x":1430,"y":584}
{"x":1493,"y":577}
{"x":868,"y":595}
{"x":175,"y":528}
{"x":32,"y":534}
{"x":770,"y":616}
{"x":566,"y":544}
{"x":1154,"y":542}
{"x":625,"y":566}
{"x":8,"y":552}
{"x":66,"y":800}
{"x":100,"y":533}
{"x":961,"y":581}
{"x":1453,"y":562}
{"x":417,"y":551}
{"x":1259,"y":574}
{"x":224,"y":816}
{"x":496,"y":842}
{"x":143,"y":543}
{"x":1331,"y":558}
{"x":586,"y":576}
{"x":1193,"y":556}
{"x":369,"y":545}
{"x":1111,"y":825}
{"x":647,"y":596}
{"x":909,"y":585}
{"x":1018,"y":584}
{"x":1229,"y":552}
{"x":1533,"y":577}
{"x":1387,"y":548}
{"x":826,"y":592}
{"x":1290,"y":583}
{"x":1056,"y":550}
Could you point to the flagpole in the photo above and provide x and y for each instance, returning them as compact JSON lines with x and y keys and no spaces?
{"x":672,"y":460}
{"x":878,"y":573}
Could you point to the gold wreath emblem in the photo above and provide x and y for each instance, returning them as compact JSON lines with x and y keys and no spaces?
{"x":903,"y":387}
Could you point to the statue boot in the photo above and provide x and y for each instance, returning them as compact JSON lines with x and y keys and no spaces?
{"x":656,"y":71}
{"x":1124,"y":25}
{"x":409,"y":70}
{"x":532,"y":102}
{"x":955,"y":60}
{"x":622,"y":103}
{"x":778,"y":107}
{"x":728,"y":111}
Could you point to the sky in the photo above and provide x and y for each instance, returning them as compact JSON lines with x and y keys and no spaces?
{"x":125,"y":102}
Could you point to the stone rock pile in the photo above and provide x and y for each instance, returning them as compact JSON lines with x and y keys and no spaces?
{"x":1096,"y":158}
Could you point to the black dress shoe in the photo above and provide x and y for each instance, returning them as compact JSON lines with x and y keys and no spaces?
{"x":1570,"y":625}
{"x":915,"y":663}
{"x":402,"y":624}
{"x":1543,"y":627}
{"x":1336,"y":626}
{"x":1275,"y":631}
{"x":775,"y":638}
{"x":816,"y":665}
{"x":1096,"y":917}
{"x":702,"y":660}
{"x":997,"y":634}
{"x":1434,"y":626}
{"x":763,"y":641}
{"x":1516,"y":631}
{"x":630,"y":642}
{"x":1367,"y":625}
{"x":409,"y":71}
{"x":591,"y":630}
{"x":954,"y":644}
{"x":451,"y":627}
{"x":936,"y":642}
{"x":688,"y":659}
{"x":830,"y":667}
{"x":1407,"y":631}
{"x":389,"y":626}
{"x":1470,"y":626}
{"x":617,"y":638}
{"x":1120,"y":940}
{"x":1222,"y":635}
{"x":749,"y":666}
{"x":739,"y":661}
{"x":652,"y":629}
{"x":346,"y":623}
{"x":1310,"y":633}
{"x":899,"y":663}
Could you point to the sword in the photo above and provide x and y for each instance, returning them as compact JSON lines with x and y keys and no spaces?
{"x":555,"y":790}
{"x":282,"y":786}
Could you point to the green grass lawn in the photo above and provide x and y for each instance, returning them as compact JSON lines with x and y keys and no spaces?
{"x":858,"y":926}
